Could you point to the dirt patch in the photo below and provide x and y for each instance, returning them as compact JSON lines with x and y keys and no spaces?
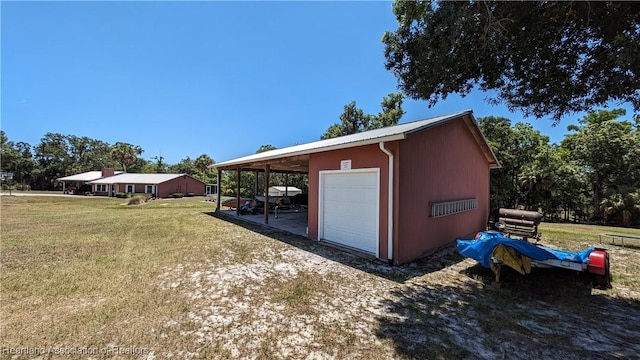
{"x":287,"y":306}
{"x":292,"y":303}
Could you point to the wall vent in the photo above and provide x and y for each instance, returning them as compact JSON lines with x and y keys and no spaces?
{"x":444,"y":208}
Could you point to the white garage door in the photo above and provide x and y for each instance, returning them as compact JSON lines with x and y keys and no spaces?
{"x":349,"y":209}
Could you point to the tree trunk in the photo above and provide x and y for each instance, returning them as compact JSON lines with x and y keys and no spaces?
{"x":596,"y":199}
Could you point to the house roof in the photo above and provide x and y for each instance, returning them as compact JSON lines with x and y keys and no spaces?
{"x":85,"y":176}
{"x":127,"y":178}
{"x":390,"y":133}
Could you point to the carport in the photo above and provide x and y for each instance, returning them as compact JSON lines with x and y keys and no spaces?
{"x":293,"y":222}
{"x":262,"y":163}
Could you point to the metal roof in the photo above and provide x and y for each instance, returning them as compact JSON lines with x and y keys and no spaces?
{"x":390,"y":133}
{"x":127,"y":178}
{"x":85,"y":176}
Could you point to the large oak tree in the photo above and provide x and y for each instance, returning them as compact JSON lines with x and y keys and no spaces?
{"x":543,"y":58}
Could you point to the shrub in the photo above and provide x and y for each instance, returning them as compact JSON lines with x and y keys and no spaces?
{"x":176,"y":195}
{"x":190,"y":194}
{"x":121,"y":195}
{"x":136,"y":200}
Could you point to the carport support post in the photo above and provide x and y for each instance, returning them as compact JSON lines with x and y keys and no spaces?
{"x":267,"y":174}
{"x":238,"y":171}
{"x":286,"y":184}
{"x":257,"y":186}
{"x":219,"y":189}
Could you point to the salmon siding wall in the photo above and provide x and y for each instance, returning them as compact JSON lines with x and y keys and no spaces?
{"x":183,"y":184}
{"x":443,"y":163}
{"x":362,"y":157}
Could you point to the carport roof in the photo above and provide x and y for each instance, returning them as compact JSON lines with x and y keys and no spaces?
{"x":391,"y":133}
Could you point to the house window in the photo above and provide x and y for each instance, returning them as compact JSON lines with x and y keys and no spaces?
{"x":101,"y":187}
{"x":148,"y":189}
{"x":445,"y":208}
{"x":130,"y":188}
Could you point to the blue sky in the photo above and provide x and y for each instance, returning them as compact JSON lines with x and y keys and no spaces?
{"x":188,"y":78}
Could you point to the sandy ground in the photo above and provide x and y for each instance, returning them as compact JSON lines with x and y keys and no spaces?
{"x":439,"y":310}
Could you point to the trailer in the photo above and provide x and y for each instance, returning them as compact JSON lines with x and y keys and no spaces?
{"x":492,"y":250}
{"x":495,"y":248}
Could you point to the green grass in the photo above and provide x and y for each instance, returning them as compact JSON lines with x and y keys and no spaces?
{"x":93,"y":272}
{"x":76,"y":271}
{"x":33,"y":192}
{"x":625,"y":266}
{"x":573,"y":235}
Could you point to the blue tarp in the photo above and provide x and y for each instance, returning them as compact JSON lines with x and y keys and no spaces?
{"x":481,"y":249}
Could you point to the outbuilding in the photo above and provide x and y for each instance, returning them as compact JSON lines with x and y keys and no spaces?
{"x":396,"y":193}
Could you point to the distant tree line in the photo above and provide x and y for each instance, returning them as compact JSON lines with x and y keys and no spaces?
{"x":59,"y":155}
{"x":592,"y":175}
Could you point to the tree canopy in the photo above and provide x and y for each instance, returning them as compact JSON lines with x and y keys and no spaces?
{"x":354,"y":120}
{"x":543,"y":58}
{"x":58,"y":155}
{"x":203,"y":162}
{"x":594,"y":172}
{"x":264,"y":148}
{"x":608,"y":151}
{"x":125,"y":154}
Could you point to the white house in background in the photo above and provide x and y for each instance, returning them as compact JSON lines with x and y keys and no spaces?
{"x":284,"y":191}
{"x":109,"y":183}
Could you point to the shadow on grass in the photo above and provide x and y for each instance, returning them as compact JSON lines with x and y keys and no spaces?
{"x":550,"y":313}
{"x":437,"y":261}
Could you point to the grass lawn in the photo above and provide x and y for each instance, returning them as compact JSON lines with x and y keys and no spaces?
{"x":33,"y":192}
{"x":169,"y":280}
